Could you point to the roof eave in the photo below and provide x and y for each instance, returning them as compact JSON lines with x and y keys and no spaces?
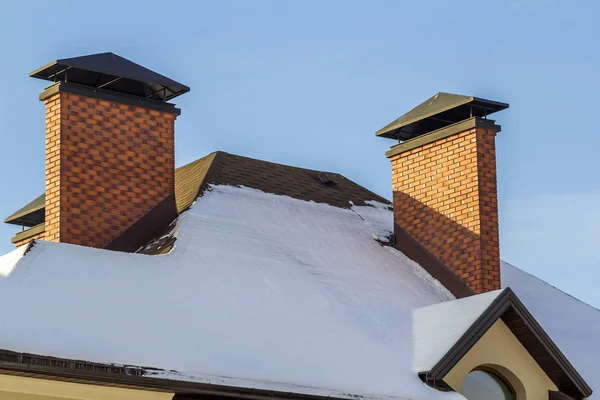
{"x":133,"y":377}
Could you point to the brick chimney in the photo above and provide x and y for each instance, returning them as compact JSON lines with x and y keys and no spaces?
{"x":444,"y":184}
{"x":109,"y":146}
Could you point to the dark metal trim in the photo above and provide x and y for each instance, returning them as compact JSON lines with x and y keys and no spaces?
{"x":128,"y":377}
{"x":40,"y":69}
{"x":507,"y":299}
{"x":414,"y":250}
{"x":443,"y":133}
{"x":147,"y":227}
{"x":553,"y":395}
{"x":27,"y":233}
{"x":62,"y":87}
{"x":549,"y":345}
{"x":84,"y":70}
{"x":473,"y":334}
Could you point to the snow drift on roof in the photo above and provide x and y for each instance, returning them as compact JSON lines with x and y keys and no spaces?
{"x":9,"y":261}
{"x":260,"y":288}
{"x":436,"y":328}
{"x":572,"y":324}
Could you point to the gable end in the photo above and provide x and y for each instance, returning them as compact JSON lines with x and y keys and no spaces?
{"x":529,"y":333}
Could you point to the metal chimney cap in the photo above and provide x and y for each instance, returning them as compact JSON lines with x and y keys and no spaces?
{"x":108,"y":71}
{"x":439,"y":111}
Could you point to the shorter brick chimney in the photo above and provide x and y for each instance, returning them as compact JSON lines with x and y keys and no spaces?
{"x":110,"y":146}
{"x":444,"y":184}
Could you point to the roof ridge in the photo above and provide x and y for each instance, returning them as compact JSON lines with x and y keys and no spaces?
{"x":279,"y":164}
{"x":221,"y":154}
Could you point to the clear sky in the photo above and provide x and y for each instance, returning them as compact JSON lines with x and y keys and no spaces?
{"x":307,"y":83}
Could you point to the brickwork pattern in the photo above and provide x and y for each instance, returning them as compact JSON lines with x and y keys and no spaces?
{"x":445,"y":196}
{"x":107,"y":164}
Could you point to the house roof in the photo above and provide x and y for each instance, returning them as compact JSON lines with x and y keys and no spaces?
{"x":221,"y":168}
{"x":303,"y":287}
{"x":191,"y":181}
{"x":253,"y":241}
{"x":318,"y":270}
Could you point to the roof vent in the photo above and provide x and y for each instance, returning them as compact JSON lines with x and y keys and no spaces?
{"x":326,"y":179}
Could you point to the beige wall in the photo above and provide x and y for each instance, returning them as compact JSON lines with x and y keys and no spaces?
{"x":23,"y":388}
{"x":500,"y":350}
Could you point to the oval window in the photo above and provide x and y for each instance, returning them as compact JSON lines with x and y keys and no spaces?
{"x":483,"y":385}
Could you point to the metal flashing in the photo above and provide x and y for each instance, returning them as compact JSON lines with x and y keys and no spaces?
{"x":148,"y":227}
{"x":62,"y":87}
{"x":131,"y":377}
{"x":414,"y":250}
{"x":442,"y":133}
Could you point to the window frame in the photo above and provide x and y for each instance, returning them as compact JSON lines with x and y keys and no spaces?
{"x":497,"y":376}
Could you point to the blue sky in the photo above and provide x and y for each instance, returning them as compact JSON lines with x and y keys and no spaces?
{"x":307,"y":83}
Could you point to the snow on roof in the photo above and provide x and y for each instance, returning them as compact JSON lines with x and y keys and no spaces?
{"x":436,"y":328}
{"x":9,"y":261}
{"x":269,"y":292}
{"x":572,"y":324}
{"x":261,"y":289}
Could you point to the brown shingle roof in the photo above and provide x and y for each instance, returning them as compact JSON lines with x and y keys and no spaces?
{"x":222,"y":168}
{"x":229,"y":169}
{"x":188,"y":180}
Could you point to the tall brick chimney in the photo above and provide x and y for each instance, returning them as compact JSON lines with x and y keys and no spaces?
{"x":444,"y":184}
{"x":109,"y":146}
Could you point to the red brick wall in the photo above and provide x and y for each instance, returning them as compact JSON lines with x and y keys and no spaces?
{"x":445,"y":196}
{"x":107,"y":164}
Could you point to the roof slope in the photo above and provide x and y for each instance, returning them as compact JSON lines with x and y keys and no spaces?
{"x":572,"y":324}
{"x":334,"y":305}
{"x":222,"y":168}
{"x":189,"y":181}
{"x":260,"y":287}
